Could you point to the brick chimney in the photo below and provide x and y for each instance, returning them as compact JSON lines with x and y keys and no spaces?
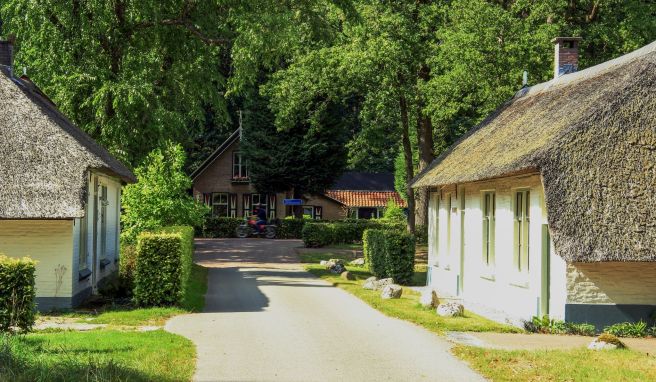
{"x":566,"y":58}
{"x":7,"y":53}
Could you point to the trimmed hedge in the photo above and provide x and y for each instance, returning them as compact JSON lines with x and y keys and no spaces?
{"x":221,"y":227}
{"x":390,"y":253}
{"x":17,"y":293}
{"x":290,"y":228}
{"x":343,"y":231}
{"x":163,"y":266}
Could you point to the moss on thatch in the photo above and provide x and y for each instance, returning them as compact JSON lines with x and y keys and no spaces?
{"x":592,"y":136}
{"x":44,"y":158}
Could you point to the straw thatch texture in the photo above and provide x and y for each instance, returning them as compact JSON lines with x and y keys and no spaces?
{"x":592,"y":136}
{"x":44,"y":158}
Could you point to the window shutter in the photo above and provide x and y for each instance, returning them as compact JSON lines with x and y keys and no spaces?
{"x":318,"y":213}
{"x":233,"y":205}
{"x":272,"y":206}
{"x":246,"y":203}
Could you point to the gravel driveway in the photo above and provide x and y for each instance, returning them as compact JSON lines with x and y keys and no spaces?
{"x":267,"y":320}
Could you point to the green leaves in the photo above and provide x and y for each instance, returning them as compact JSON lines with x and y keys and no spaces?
{"x":17,"y":293}
{"x":390,"y":253}
{"x":160,"y":197}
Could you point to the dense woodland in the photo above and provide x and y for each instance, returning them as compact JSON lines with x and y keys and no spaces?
{"x":321,"y":86}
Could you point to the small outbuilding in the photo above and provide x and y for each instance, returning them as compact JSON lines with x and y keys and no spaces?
{"x":548,"y":207}
{"x":59,"y":194}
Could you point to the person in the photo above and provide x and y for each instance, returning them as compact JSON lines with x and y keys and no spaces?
{"x":261,"y":218}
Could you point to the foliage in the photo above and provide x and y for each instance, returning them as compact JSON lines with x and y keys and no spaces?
{"x":97,"y":355}
{"x":348,"y":231}
{"x":220,"y":226}
{"x":163,"y":266}
{"x":17,"y":293}
{"x":160,"y":196}
{"x":393,"y":212}
{"x":548,"y":325}
{"x":127,"y":263}
{"x":421,"y":234}
{"x":317,"y":235}
{"x":291,"y":228}
{"x":628,"y":329}
{"x":390,"y":253}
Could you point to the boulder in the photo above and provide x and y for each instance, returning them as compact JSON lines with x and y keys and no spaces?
{"x":451,"y":309}
{"x":382,"y":283}
{"x":358,"y":262}
{"x":606,"y":342}
{"x":337,"y":269}
{"x":391,"y":291}
{"x":347,"y":275}
{"x":336,"y":261}
{"x":429,"y":299}
{"x":370,"y":283}
{"x":324,"y":263}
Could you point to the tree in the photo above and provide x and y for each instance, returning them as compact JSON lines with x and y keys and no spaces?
{"x":306,"y":158}
{"x":160,"y":196}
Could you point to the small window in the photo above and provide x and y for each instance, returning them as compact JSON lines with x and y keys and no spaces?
{"x":521,"y":231}
{"x":220,"y":205}
{"x":308,"y":212}
{"x":239,"y":168}
{"x":489,"y":209}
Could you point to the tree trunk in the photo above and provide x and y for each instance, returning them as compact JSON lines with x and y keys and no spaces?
{"x":425,"y":151}
{"x":298,"y":210}
{"x":409,"y":166}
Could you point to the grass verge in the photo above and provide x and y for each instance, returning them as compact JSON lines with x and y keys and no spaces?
{"x":560,"y":365}
{"x":408,"y":307}
{"x":99,"y":355}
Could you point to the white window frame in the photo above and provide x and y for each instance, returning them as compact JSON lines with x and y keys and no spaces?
{"x":239,"y":167}
{"x":521,"y":231}
{"x":488,"y":210}
{"x":219,"y":203}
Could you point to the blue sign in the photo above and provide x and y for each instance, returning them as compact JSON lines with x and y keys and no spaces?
{"x":292,"y":202}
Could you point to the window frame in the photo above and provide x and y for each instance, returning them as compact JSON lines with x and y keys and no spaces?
{"x":239,"y":166}
{"x":488,"y":211}
{"x":214,"y":203}
{"x":521,"y":230}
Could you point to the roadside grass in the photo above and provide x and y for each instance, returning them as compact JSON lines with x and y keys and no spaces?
{"x":98,"y":355}
{"x":560,"y":365}
{"x":355,"y":247}
{"x":311,"y":258}
{"x":408,"y":307}
{"x":128,"y":315}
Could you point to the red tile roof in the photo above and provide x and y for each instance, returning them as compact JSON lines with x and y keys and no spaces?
{"x":365,"y":198}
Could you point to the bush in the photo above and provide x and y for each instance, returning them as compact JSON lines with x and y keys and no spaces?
{"x":317,"y":235}
{"x":390,"y":253}
{"x":17,"y":293}
{"x":221,"y":226}
{"x":394,"y":213}
{"x":290,"y":228}
{"x":127,"y":262}
{"x":163,"y":266}
{"x":548,"y":325}
{"x":628,"y":329}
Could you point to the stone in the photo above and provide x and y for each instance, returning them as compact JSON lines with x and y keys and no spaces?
{"x":347,"y":275}
{"x":451,"y":309}
{"x":606,"y":341}
{"x":336,"y":261}
{"x":391,"y":291}
{"x":358,"y":262}
{"x":429,"y":299}
{"x":601,"y":345}
{"x":370,"y":283}
{"x":324,"y":263}
{"x":337,"y":269}
{"x":382,"y":283}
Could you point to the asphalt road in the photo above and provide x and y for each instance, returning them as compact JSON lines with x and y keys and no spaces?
{"x":268,"y":320}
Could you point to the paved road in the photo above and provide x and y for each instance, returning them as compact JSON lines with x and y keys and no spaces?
{"x":268,"y":320}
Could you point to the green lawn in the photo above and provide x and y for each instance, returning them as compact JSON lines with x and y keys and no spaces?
{"x":407,"y":307}
{"x":99,"y":355}
{"x":560,"y":365}
{"x":194,"y":301}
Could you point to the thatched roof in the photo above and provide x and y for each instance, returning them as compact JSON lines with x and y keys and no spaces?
{"x":592,"y":137}
{"x":44,"y":158}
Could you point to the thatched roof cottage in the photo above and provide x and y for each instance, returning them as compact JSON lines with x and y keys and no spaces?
{"x":59,"y":193}
{"x":547,"y":206}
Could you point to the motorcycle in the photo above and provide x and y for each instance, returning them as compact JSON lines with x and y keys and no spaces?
{"x":249,"y":228}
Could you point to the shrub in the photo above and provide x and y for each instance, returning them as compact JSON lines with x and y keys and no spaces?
{"x":374,"y":247}
{"x":290,"y":228}
{"x":390,"y":253}
{"x":127,"y":262}
{"x":221,"y":226}
{"x":628,"y":329}
{"x":163,"y":266}
{"x":548,"y":325}
{"x":160,"y":198}
{"x":394,"y":213}
{"x":317,"y":234}
{"x":17,"y":293}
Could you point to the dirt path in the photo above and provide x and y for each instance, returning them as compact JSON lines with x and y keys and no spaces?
{"x":268,"y":320}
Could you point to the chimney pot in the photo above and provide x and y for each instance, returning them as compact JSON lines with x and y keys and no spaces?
{"x":566,"y":58}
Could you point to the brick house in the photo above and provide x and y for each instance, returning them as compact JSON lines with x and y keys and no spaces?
{"x":60,"y":194}
{"x":222,"y":183}
{"x":547,"y":206}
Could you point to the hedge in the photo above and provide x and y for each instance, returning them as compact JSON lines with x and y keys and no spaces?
{"x":342,"y":231}
{"x":221,"y":227}
{"x":163,"y":266}
{"x":17,"y":293}
{"x":390,"y":253}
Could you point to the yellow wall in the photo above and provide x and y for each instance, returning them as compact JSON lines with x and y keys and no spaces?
{"x":50,"y":242}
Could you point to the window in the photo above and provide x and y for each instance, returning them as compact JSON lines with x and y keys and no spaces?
{"x":83,"y":254}
{"x":308,"y":212}
{"x":522,"y":223}
{"x":104,"y":202}
{"x":220,"y":206}
{"x":489,"y":207}
{"x":239,"y":168}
